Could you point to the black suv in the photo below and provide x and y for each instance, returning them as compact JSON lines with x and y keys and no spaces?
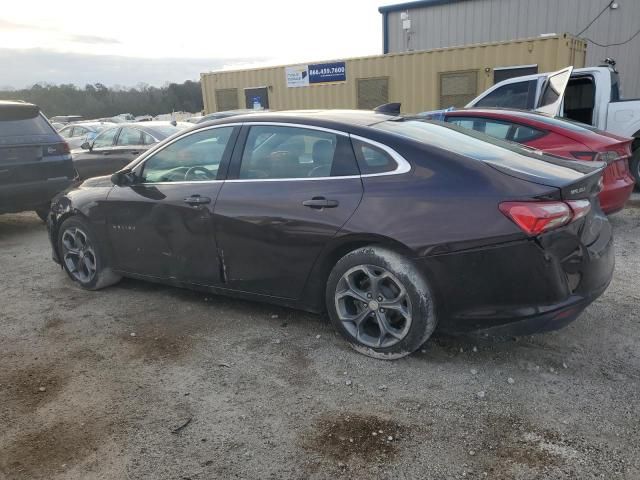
{"x":35,"y":163}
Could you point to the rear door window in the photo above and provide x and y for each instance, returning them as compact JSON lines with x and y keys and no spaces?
{"x":66,"y":132}
{"x":105,"y":139}
{"x":279,"y":152}
{"x":129,"y":136}
{"x":148,"y":139}
{"x":497,"y":128}
{"x":79,"y":131}
{"x":513,"y":95}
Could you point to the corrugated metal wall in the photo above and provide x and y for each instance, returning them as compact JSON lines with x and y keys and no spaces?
{"x":478,"y":21}
{"x":413,"y":77}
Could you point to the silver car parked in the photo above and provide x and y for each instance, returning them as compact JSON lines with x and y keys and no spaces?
{"x":75,"y":134}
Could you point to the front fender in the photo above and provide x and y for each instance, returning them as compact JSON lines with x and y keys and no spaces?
{"x":85,"y":201}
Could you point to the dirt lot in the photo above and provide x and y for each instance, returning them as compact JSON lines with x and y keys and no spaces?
{"x":140,"y":381}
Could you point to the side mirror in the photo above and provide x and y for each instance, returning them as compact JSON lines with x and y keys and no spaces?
{"x":86,"y":146}
{"x":123,"y":178}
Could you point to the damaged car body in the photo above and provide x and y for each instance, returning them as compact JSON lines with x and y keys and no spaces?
{"x":391,"y":225}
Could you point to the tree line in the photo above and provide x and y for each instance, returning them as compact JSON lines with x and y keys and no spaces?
{"x":97,"y":100}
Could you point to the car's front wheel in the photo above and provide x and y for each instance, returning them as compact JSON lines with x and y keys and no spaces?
{"x":380,"y":303}
{"x":42,"y":211}
{"x":81,"y":256}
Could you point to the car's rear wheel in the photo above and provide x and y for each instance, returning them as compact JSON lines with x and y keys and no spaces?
{"x":634,"y":166}
{"x":81,"y":256}
{"x":380,"y":303}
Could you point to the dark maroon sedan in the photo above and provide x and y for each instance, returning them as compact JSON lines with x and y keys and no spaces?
{"x":391,"y":225}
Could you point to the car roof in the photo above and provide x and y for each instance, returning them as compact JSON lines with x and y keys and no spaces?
{"x":16,"y":103}
{"x":327,"y":118}
{"x":151,"y":127}
{"x":90,"y":124}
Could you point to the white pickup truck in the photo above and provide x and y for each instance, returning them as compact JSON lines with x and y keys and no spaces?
{"x":588,"y":95}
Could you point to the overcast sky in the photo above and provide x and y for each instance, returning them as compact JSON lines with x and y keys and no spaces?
{"x":128,"y":42}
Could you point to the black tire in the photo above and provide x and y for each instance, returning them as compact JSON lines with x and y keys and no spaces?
{"x":634,"y":166}
{"x":77,"y":248}
{"x":393,"y":286}
{"x":43,"y":212}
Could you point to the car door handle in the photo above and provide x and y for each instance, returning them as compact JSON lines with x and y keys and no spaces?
{"x":320,"y":202}
{"x":197,"y":200}
{"x":135,"y":153}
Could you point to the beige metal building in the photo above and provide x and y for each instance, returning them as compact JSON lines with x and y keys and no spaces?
{"x":421,"y":80}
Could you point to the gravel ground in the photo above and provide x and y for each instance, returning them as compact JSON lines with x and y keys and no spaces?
{"x":141,"y":381}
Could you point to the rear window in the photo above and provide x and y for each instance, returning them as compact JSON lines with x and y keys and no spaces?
{"x":19,"y":122}
{"x":478,"y":146}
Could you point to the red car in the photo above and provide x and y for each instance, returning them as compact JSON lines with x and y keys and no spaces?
{"x":558,"y":137}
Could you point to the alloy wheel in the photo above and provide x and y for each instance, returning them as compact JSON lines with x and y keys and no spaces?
{"x":373,"y":306}
{"x":79,"y":255}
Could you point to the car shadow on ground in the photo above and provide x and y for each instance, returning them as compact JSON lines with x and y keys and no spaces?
{"x":20,"y":224}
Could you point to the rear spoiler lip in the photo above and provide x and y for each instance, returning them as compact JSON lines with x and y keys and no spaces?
{"x":585,"y":187}
{"x":588,"y":179}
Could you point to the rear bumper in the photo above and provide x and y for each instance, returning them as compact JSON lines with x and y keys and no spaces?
{"x":549,"y":318}
{"x":19,"y":197}
{"x":615,"y":194}
{"x":522,"y":287}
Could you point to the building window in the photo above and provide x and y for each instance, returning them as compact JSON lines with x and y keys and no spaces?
{"x":458,"y":88}
{"x":505,"y":73}
{"x":372,"y":92}
{"x":226,"y":99}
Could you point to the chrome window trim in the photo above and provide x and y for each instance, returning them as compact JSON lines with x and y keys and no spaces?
{"x":297,"y":125}
{"x":402,"y":165}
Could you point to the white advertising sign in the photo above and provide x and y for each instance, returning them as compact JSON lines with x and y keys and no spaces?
{"x":297,"y":76}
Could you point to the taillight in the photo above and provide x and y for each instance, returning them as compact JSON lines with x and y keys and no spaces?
{"x":61,"y":148}
{"x":580,"y":208}
{"x":607,"y":157}
{"x":535,"y":218}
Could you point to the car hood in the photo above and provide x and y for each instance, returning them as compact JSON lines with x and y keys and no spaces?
{"x":104,"y":181}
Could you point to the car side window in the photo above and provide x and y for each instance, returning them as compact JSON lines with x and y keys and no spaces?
{"x":193,"y":158}
{"x":105,"y":139}
{"x":66,"y":132}
{"x":513,"y":95}
{"x":279,"y":152}
{"x":494,"y":128}
{"x":372,"y":159}
{"x":525,"y":133}
{"x":79,"y":131}
{"x":498,"y":129}
{"x":148,"y":139}
{"x":129,"y":136}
